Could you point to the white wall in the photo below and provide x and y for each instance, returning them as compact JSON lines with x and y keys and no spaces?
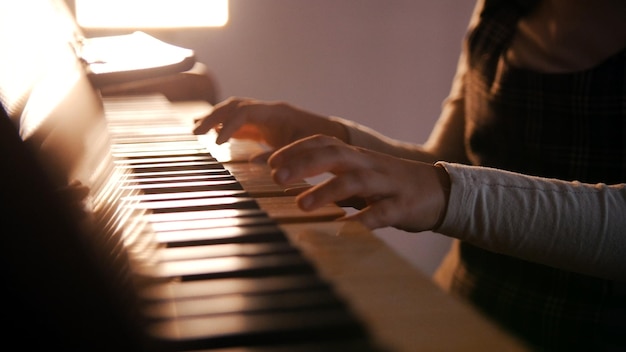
{"x":384,"y":63}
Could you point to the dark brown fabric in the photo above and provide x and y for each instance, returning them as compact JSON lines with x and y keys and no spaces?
{"x":568,"y":126}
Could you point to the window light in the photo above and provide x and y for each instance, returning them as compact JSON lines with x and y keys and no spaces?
{"x":139,"y":14}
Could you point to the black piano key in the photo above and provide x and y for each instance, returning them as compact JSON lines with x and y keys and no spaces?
{"x":201,"y":224}
{"x":235,"y":266}
{"x":130,"y":152}
{"x":195,"y":204}
{"x":152,"y":197}
{"x":221,"y":235}
{"x":189,"y":186}
{"x":161,"y":150}
{"x":224,"y":250}
{"x":229,"y":330}
{"x":202,"y":215}
{"x":238,"y":303}
{"x":174,"y":173}
{"x":146,"y":147}
{"x":177,"y":177}
{"x":227,"y":286}
{"x":138,"y":159}
{"x":168,"y":139}
{"x":188,"y":165}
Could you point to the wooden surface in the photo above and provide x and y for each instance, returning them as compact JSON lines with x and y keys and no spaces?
{"x":404,"y":310}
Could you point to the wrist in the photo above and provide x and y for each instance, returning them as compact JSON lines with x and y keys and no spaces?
{"x":339,"y":129}
{"x":444,"y":182}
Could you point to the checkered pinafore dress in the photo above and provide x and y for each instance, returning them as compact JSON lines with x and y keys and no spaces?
{"x":569,"y":126}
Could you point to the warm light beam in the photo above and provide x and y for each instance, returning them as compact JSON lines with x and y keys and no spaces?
{"x":137,"y":14}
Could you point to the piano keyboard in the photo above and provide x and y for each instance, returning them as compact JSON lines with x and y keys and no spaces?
{"x":216,"y":270}
{"x":184,"y":245}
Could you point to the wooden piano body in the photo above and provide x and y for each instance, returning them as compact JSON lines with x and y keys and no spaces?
{"x":120,"y":277}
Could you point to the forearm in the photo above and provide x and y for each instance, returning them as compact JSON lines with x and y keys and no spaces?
{"x":569,"y":225}
{"x":365,"y":137}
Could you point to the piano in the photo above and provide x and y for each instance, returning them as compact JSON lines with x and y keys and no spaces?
{"x":180,"y":245}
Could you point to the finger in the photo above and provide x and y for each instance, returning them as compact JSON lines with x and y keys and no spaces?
{"x":244,"y":117}
{"x":248,"y":131}
{"x":290,"y":151}
{"x":312,"y":156}
{"x":380,"y":214}
{"x":294,"y":191}
{"x":361,"y":183}
{"x":313,"y":162}
{"x":237,"y":117}
{"x":216,"y":117}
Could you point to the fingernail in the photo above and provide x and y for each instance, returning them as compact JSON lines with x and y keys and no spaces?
{"x":306,"y":202}
{"x":220,"y":140}
{"x":282,"y":175}
{"x":274,"y":159}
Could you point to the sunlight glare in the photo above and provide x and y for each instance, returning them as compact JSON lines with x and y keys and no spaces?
{"x":151,"y":13}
